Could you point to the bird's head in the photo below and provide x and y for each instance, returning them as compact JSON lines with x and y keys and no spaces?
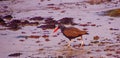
{"x":58,"y":26}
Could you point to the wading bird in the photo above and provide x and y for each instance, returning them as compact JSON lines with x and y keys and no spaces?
{"x":71,"y":33}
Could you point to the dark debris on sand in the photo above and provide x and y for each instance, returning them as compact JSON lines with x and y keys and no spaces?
{"x":66,"y":20}
{"x":15,"y":55}
{"x":2,"y":22}
{"x":39,"y":18}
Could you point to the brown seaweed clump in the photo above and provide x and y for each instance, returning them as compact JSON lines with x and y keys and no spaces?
{"x":2,"y":22}
{"x":114,"y":13}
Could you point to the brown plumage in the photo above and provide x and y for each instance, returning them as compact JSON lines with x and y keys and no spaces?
{"x":72,"y":32}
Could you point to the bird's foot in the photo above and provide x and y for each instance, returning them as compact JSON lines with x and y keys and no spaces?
{"x":69,"y":48}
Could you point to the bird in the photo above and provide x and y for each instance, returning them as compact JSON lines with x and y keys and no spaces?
{"x":71,"y":33}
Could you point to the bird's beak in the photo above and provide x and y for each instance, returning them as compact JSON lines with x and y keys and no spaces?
{"x":55,"y":29}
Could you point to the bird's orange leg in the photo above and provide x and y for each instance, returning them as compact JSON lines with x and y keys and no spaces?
{"x":82,"y":43}
{"x":69,"y":44}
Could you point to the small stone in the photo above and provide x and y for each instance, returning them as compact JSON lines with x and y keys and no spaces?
{"x":91,"y":57}
{"x":59,"y":43}
{"x":50,"y":4}
{"x":93,"y":24}
{"x":84,"y":25}
{"x":45,"y":36}
{"x":89,"y":52}
{"x":47,"y":40}
{"x":41,"y":49}
{"x":85,"y":29}
{"x":23,"y":32}
{"x":34,"y":36}
{"x":89,"y":22}
{"x":21,"y":40}
{"x":96,"y":37}
{"x":108,"y":54}
{"x":98,"y":50}
{"x":38,"y":41}
{"x":63,"y":11}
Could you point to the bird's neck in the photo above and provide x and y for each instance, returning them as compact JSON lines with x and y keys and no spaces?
{"x":62,"y":27}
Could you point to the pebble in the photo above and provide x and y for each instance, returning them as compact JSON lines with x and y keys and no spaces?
{"x":96,"y":37}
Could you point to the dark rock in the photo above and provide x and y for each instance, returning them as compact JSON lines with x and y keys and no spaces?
{"x":93,"y":24}
{"x":25,"y":23}
{"x":34,"y":36}
{"x":3,"y":0}
{"x":5,"y":6}
{"x":114,"y":29}
{"x":21,"y":40}
{"x":96,"y":37}
{"x":37,"y":18}
{"x":15,"y":54}
{"x":50,"y":4}
{"x":47,"y":40}
{"x":66,"y":20}
{"x":50,"y":21}
{"x":15,"y":22}
{"x":34,"y":23}
{"x":109,"y":54}
{"x":38,"y":41}
{"x":60,"y":57}
{"x":8,"y":17}
{"x":14,"y":25}
{"x":2,"y":22}
{"x":108,"y":49}
{"x":85,"y":29}
{"x":45,"y":36}
{"x":84,"y":25}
